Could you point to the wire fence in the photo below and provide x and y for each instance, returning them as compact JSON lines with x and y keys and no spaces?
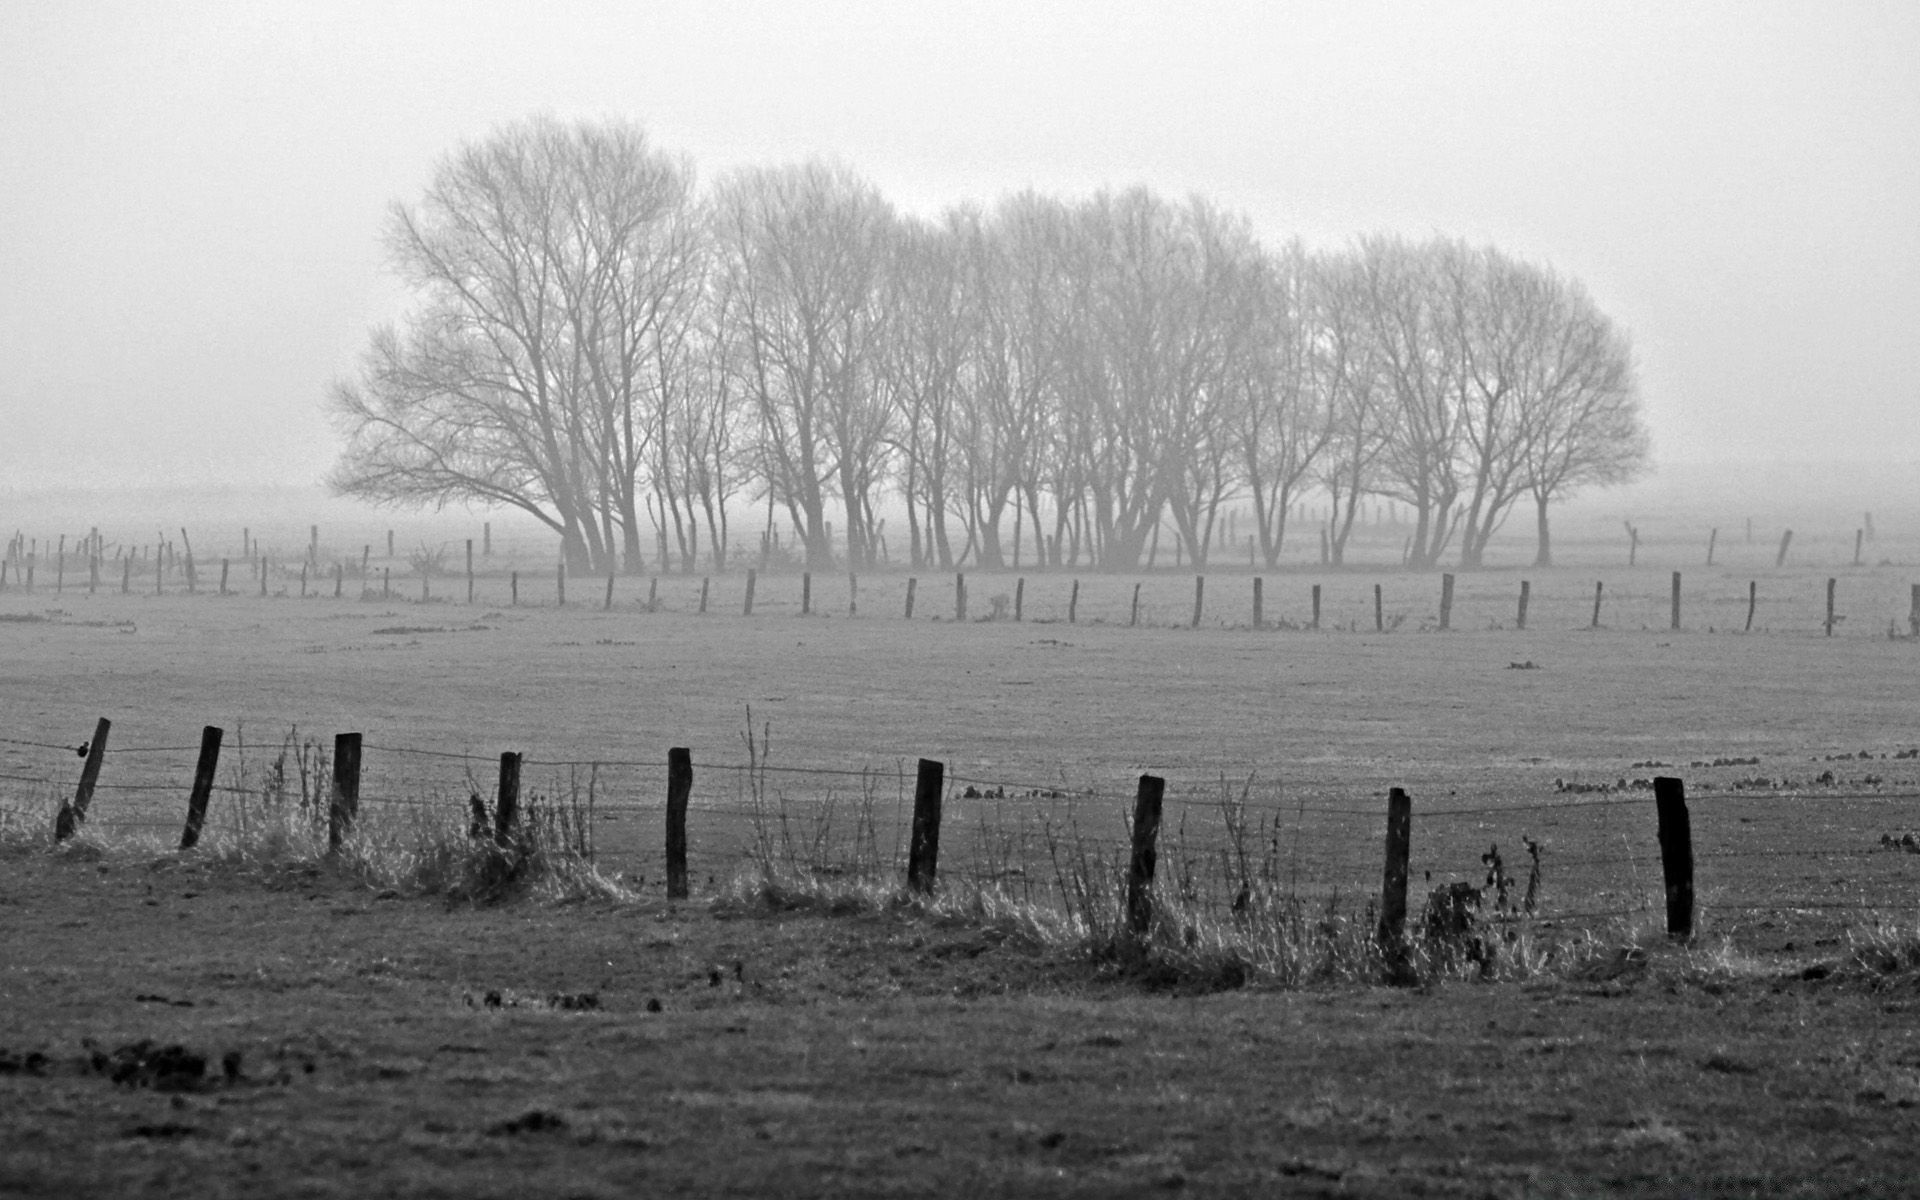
{"x":1822,"y":851}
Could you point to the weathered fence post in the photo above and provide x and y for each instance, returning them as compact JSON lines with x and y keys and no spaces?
{"x":1753,"y":601}
{"x":223,"y":576}
{"x":1259,"y":618}
{"x":923,"y":852}
{"x":469,"y":570}
{"x":806,"y":593}
{"x":1859,"y":539}
{"x":679,"y":787}
{"x":1831,"y":584}
{"x":1073,"y":601}
{"x":303,"y":583}
{"x":339,"y":580}
{"x":959,"y":597}
{"x":1913,"y":611}
{"x":912,"y":585}
{"x":513,"y":589}
{"x":1379,"y":611}
{"x":653,"y":594}
{"x":706,"y":582}
{"x":486,"y":540}
{"x":1526,"y":593}
{"x":1676,"y":854}
{"x":203,"y":773}
{"x":506,"y":809}
{"x":560,"y":579}
{"x":1019,"y":598}
{"x":1712,"y":539}
{"x":1316,"y":606}
{"x":1786,"y":539}
{"x":126,"y":576}
{"x":853,"y":594}
{"x":426,"y":592}
{"x":606,"y":605}
{"x":1199,"y":597}
{"x":746,"y":609}
{"x":1676,"y":600}
{"x":1446,"y":601}
{"x":1599,"y":586}
{"x":67,"y":822}
{"x":345,"y":807}
{"x":1140,"y":867}
{"x":1393,"y":883}
{"x":93,"y":574}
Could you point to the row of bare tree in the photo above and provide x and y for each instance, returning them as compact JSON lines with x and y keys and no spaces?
{"x":602,"y":345}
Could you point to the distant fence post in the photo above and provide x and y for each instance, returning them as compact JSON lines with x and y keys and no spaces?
{"x":1712,"y":540}
{"x":746,"y":609}
{"x":1316,"y":606}
{"x":303,"y":582}
{"x":1073,"y":601}
{"x":469,"y":570}
{"x":1393,"y":884}
{"x":263,"y":574}
{"x":345,"y":808}
{"x":1676,"y":600}
{"x":126,"y":576}
{"x":1526,"y":593}
{"x":68,"y":821}
{"x":1676,"y":854}
{"x":606,"y":605}
{"x":912,"y":584}
{"x":203,"y":773}
{"x":1258,"y":616}
{"x":506,"y":809}
{"x":1019,"y":598}
{"x":653,"y":594}
{"x":513,"y":589}
{"x":1379,"y":610}
{"x":1786,"y":539}
{"x":923,"y":853}
{"x":1199,"y":597}
{"x":959,"y":597}
{"x":1831,"y":584}
{"x":93,"y":573}
{"x":1140,"y":867}
{"x":1859,"y":539}
{"x":806,"y":593}
{"x":1599,"y":587}
{"x":560,"y":578}
{"x":1753,"y":601}
{"x":223,"y":576}
{"x":1913,"y":611}
{"x":1446,"y":601}
{"x":853,"y":594}
{"x":339,"y":580}
{"x":706,"y":582}
{"x":386,"y":581}
{"x":679,"y":787}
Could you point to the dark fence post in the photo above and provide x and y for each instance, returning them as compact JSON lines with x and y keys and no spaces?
{"x":1786,"y":539}
{"x":607,"y":604}
{"x":1258,"y":616}
{"x":1393,"y":884}
{"x":1676,"y":600}
{"x":1316,"y":606}
{"x":223,"y":576}
{"x":1676,"y":854}
{"x":959,"y":597}
{"x":1199,"y":597}
{"x":1913,"y":611}
{"x":923,"y":853}
{"x":1713,"y":539}
{"x":806,"y":593}
{"x":912,"y":585}
{"x":203,"y":773}
{"x":345,"y":809}
{"x":339,"y":580}
{"x":506,"y":809}
{"x":679,"y":787}
{"x":1019,"y":598}
{"x":746,"y":610}
{"x":1753,"y":601}
{"x":1379,"y":611}
{"x":263,"y":575}
{"x":1446,"y":602}
{"x":1073,"y":601}
{"x":67,"y":822}
{"x":1831,"y":583}
{"x":1146,"y":835}
{"x":1526,"y":593}
{"x":1598,"y":587}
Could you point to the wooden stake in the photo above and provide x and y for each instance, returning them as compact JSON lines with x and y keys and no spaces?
{"x":1676,"y":854}
{"x":1199,"y":596}
{"x":923,"y":852}
{"x":560,"y":577}
{"x":806,"y":593}
{"x":1379,"y":611}
{"x":1446,"y":602}
{"x":344,"y":808}
{"x":607,"y":604}
{"x":752,"y":577}
{"x":1753,"y":601}
{"x":203,"y":773}
{"x":1316,"y":606}
{"x":959,"y":597}
{"x":706,"y":582}
{"x":1140,"y":866}
{"x":1393,"y":883}
{"x":679,"y":787}
{"x":469,"y":570}
{"x":1831,"y":584}
{"x":653,"y":594}
{"x":513,"y":589}
{"x":1676,"y":600}
{"x":912,"y":584}
{"x":1258,"y":616}
{"x":853,"y":594}
{"x":1598,"y":587}
{"x":506,"y":809}
{"x":1019,"y":598}
{"x":1712,"y":539}
{"x":1526,"y":593}
{"x":72,"y":815}
{"x":1786,"y":539}
{"x":1859,"y":539}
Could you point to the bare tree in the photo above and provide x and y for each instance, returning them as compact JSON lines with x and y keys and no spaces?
{"x":1282,"y":410}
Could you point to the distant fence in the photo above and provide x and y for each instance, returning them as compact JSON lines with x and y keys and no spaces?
{"x":1768,"y":852}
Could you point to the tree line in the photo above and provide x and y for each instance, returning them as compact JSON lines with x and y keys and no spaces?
{"x":604,"y":345}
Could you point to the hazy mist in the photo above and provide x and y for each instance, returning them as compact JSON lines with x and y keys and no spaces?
{"x":192,"y":194}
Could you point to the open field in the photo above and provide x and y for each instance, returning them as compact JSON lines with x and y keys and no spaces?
{"x":895,"y":1052}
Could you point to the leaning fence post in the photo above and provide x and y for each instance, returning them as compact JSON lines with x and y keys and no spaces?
{"x":853,"y":594}
{"x":1676,"y":600}
{"x":1146,"y":834}
{"x":506,"y":809}
{"x":1598,"y":586}
{"x":203,"y":773}
{"x":67,"y":822}
{"x":746,"y":609}
{"x":1446,"y":602}
{"x":679,"y":787}
{"x":223,"y":577}
{"x":345,"y":808}
{"x":923,"y":852}
{"x":1786,"y":539}
{"x":1393,"y":884}
{"x":1676,"y":854}
{"x":1526,"y":592}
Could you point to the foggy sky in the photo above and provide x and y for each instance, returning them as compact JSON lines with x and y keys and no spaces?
{"x":191,"y":194}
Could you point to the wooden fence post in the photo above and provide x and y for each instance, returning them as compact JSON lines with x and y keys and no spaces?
{"x":806,"y":593}
{"x":1786,"y":539}
{"x":853,"y":594}
{"x":1446,"y":602}
{"x":1199,"y":597}
{"x":1316,"y":606}
{"x":1073,"y":602}
{"x":1831,"y":583}
{"x":1598,"y":587}
{"x":223,"y":576}
{"x":386,"y":581}
{"x":959,"y":597}
{"x":1379,"y":611}
{"x":345,"y":807}
{"x":1676,"y":600}
{"x":746,"y":610}
{"x":679,"y":787}
{"x":426,"y":585}
{"x":1712,"y":539}
{"x":653,"y":594}
{"x":126,"y":576}
{"x":1393,"y":884}
{"x":1913,"y":611}
{"x":1753,"y":601}
{"x":706,"y":582}
{"x":203,"y":773}
{"x":1859,"y":539}
{"x":513,"y":589}
{"x":912,"y":584}
{"x":339,"y":580}
{"x":303,"y":583}
{"x":67,"y":822}
{"x":1140,"y":867}
{"x":93,"y":574}
{"x":560,"y":579}
{"x":506,"y":809}
{"x":1676,"y":854}
{"x":1019,"y":598}
{"x":469,"y":570}
{"x":923,"y":853}
{"x":486,"y":540}
{"x":1526,"y":592}
{"x":606,"y":605}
